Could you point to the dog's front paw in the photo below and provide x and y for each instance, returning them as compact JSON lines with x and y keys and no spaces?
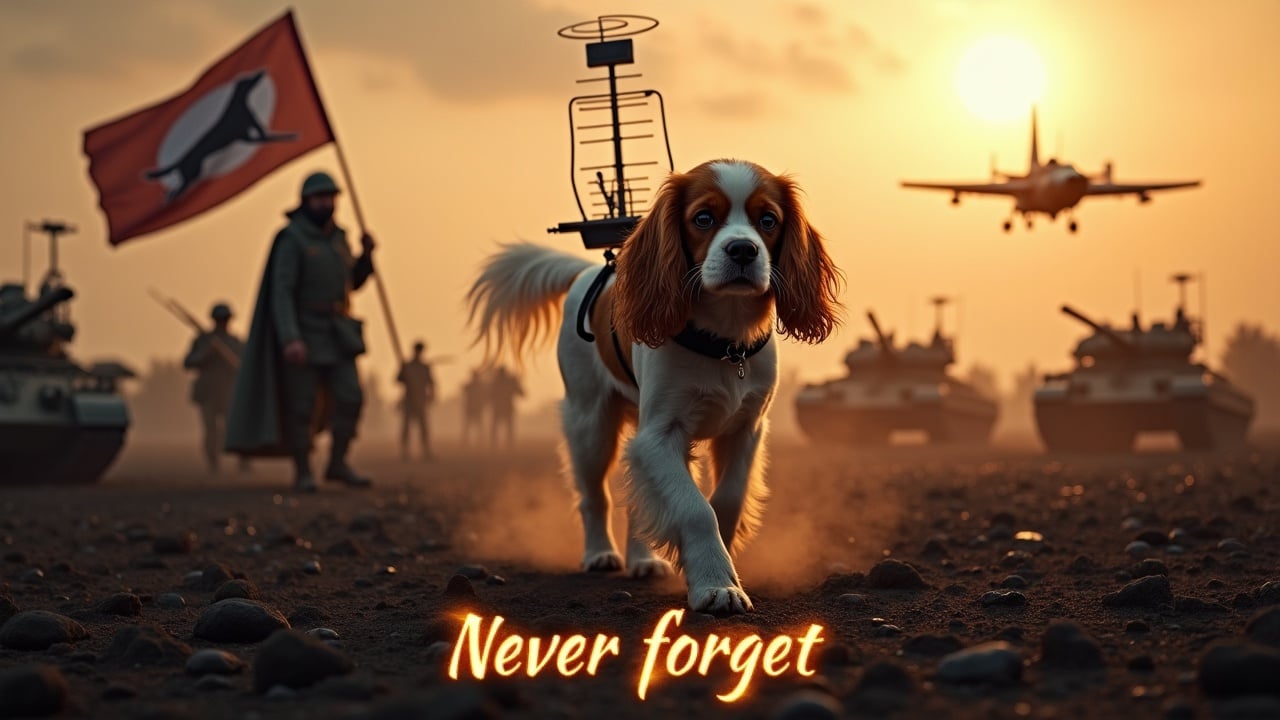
{"x":607,"y":561}
{"x":650,"y":568}
{"x":719,"y":600}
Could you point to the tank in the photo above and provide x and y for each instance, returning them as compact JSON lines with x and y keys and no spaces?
{"x":60,"y":423}
{"x":889,"y":389}
{"x":1126,"y":382}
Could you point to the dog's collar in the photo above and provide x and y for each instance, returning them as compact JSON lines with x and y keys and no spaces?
{"x":710,"y":345}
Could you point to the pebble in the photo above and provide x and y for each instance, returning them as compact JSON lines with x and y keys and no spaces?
{"x":1179,"y":536}
{"x":171,"y":601}
{"x":473,"y":572}
{"x":808,"y":705}
{"x":1229,"y":669}
{"x":895,"y":575}
{"x":237,"y":589}
{"x":934,"y":548}
{"x":1067,"y":646}
{"x":1015,"y":558}
{"x":238,"y":620}
{"x":311,"y":567}
{"x":124,"y":604}
{"x":1136,"y":627}
{"x":146,"y":645}
{"x":32,"y":691}
{"x":1014,"y":582}
{"x":620,"y":596}
{"x":295,"y":660}
{"x":887,"y":630}
{"x":1231,"y":545}
{"x":1082,"y":564}
{"x":1268,"y":594}
{"x":1153,"y":537}
{"x":308,"y":615}
{"x":32,"y":576}
{"x":1149,"y":567}
{"x":213,"y":575}
{"x":1139,"y":549}
{"x":1175,"y":550}
{"x":192,"y":579}
{"x":996,"y":663}
{"x":322,"y":633}
{"x":853,"y":600}
{"x":1003,"y":598}
{"x":495,"y":580}
{"x":1265,"y":627}
{"x":38,"y":629}
{"x":459,"y":587}
{"x":932,"y":645}
{"x":1147,"y":592}
{"x":214,"y":661}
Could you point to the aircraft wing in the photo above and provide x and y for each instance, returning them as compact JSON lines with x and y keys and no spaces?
{"x":1012,"y":187}
{"x":1115,"y":189}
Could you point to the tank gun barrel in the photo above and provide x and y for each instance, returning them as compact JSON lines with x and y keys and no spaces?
{"x":885,"y":346}
{"x":11,"y":322}
{"x":1103,"y":330}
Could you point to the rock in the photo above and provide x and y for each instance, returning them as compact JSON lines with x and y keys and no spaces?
{"x":1147,"y":592}
{"x":294,"y":660}
{"x":180,"y":544}
{"x":238,"y":620}
{"x":32,"y":576}
{"x":1231,"y":545}
{"x":146,"y":645}
{"x":473,"y":572}
{"x":1149,"y":567}
{"x":1003,"y":598}
{"x":237,"y":589}
{"x":459,"y":588}
{"x":1066,"y":646}
{"x":124,"y":604}
{"x":932,"y":645}
{"x":995,"y":663}
{"x":38,"y":629}
{"x":1139,"y":549}
{"x":171,"y":601}
{"x":1265,"y":627}
{"x":217,"y":662}
{"x":853,"y":600}
{"x":347,"y":547}
{"x":1136,"y":627}
{"x":496,"y":580}
{"x":308,"y":615}
{"x":311,"y":567}
{"x":1268,"y":594}
{"x":619,"y":596}
{"x":209,"y":683}
{"x":1014,"y":582}
{"x":808,"y":705}
{"x":7,"y":608}
{"x":895,"y":575}
{"x":1153,"y":537}
{"x":32,"y":691}
{"x":1015,"y":559}
{"x":1228,"y":669}
{"x":213,"y":575}
{"x":934,"y":548}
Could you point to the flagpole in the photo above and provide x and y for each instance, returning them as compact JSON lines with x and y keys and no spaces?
{"x":351,"y":187}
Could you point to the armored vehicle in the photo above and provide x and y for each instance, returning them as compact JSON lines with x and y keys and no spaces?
{"x":1140,"y":380}
{"x":59,"y":422}
{"x":891,"y":389}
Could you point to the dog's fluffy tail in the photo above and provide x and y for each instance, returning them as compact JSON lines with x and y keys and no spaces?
{"x":515,"y":302}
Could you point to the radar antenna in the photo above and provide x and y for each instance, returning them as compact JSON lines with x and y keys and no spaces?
{"x":53,"y":276}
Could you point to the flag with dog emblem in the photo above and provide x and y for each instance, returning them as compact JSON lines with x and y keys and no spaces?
{"x":256,"y":109}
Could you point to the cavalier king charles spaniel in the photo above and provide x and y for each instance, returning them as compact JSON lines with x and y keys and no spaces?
{"x":676,"y":341}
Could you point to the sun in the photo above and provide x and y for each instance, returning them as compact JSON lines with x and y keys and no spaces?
{"x":999,"y":78}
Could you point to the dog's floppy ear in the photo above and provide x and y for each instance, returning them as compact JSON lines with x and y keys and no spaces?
{"x":806,"y":297}
{"x":650,"y":304}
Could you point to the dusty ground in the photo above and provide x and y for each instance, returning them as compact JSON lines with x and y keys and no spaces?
{"x":834,"y":515}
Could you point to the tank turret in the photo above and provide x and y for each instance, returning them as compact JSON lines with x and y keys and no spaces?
{"x":1140,"y":380}
{"x":887,"y":352}
{"x":12,"y":320}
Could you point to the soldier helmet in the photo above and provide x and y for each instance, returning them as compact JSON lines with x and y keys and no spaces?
{"x":319,"y":183}
{"x":419,"y":346}
{"x":220,"y":311}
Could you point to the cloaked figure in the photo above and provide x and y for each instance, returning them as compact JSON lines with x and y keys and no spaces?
{"x":299,"y":372}
{"x":419,"y":393}
{"x":474,"y":399}
{"x":215,"y":356}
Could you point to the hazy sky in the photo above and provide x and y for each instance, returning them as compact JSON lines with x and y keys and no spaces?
{"x":453,"y":118}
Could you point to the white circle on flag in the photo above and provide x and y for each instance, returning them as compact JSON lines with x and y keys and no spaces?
{"x":204,"y":115}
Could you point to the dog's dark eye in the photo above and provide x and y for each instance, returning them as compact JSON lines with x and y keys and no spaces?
{"x":768,"y":221}
{"x":703,"y":220}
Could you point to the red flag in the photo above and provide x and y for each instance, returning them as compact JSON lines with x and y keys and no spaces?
{"x":253,"y":111}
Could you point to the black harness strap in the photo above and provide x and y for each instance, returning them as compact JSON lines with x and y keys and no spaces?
{"x":593,"y":294}
{"x":622,"y":359}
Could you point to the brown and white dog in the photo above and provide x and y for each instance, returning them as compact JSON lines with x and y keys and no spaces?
{"x":682,"y":350}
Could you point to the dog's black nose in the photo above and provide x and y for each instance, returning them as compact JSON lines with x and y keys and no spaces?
{"x":743,"y":252}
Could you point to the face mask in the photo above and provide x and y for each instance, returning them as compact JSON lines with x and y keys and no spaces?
{"x":319,"y":217}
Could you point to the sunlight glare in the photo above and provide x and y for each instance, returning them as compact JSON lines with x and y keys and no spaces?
{"x":1000,"y":78}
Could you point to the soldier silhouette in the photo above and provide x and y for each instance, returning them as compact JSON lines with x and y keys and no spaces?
{"x":504,"y":388}
{"x":215,"y":357}
{"x":419,"y":393}
{"x":474,"y":399}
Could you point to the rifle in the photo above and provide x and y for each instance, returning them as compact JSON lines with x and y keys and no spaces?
{"x":185,"y":317}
